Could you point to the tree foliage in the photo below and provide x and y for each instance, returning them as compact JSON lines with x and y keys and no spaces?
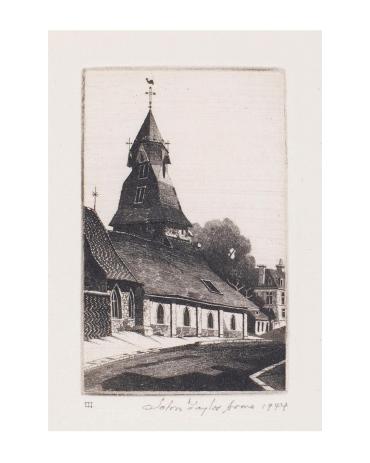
{"x":227,"y":252}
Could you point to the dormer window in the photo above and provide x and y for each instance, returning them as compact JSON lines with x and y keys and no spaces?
{"x":140,"y":192}
{"x":143,"y":170}
{"x":210,"y":286}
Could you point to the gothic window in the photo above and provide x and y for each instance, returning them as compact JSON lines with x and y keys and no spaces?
{"x":160,"y":315}
{"x":186,"y":317}
{"x":232,"y":324}
{"x":283,"y":297}
{"x":269,"y":297}
{"x":210,"y":320}
{"x":210,"y":286}
{"x":143,"y":170}
{"x":116,"y":304}
{"x":282,"y":313}
{"x":131,"y":305}
{"x":139,"y":197}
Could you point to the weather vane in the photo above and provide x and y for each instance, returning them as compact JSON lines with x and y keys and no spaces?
{"x":95,"y":194}
{"x":150,"y":92}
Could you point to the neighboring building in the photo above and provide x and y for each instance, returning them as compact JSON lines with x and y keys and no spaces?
{"x":271,"y":288}
{"x":258,"y":322}
{"x":155,"y":280}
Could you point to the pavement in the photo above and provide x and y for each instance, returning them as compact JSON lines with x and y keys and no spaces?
{"x":128,"y":344}
{"x":271,"y":378}
{"x":221,"y":366}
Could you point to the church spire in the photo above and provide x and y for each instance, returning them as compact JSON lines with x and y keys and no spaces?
{"x":148,"y":138}
{"x":148,"y":202}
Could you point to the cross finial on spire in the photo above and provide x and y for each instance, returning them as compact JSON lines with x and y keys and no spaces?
{"x":150,"y":93}
{"x":95,"y":194}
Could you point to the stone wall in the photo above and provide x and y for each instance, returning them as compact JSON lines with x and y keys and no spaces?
{"x":180,"y":310}
{"x":204,"y":320}
{"x":228,"y":332}
{"x":209,"y":332}
{"x":125,"y":323}
{"x":97,"y":318}
{"x":161,"y":330}
{"x":198,"y":325}
{"x":182,"y":331}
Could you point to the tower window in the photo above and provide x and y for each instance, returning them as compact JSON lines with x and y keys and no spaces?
{"x":143,"y":170}
{"x":140,"y":192}
{"x":283,"y":297}
{"x":232,"y":324}
{"x":210,"y":286}
{"x":210,"y":320}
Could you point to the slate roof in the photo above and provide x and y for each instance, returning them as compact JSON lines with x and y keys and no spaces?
{"x":175,"y":271}
{"x":150,"y":141}
{"x":257,"y":314}
{"x":102,"y":249}
{"x":149,"y":130}
{"x":160,"y":203}
{"x":272,"y":278}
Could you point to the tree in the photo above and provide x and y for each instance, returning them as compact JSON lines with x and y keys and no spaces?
{"x":227,"y":252}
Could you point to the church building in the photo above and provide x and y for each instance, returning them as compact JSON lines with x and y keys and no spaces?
{"x":145,"y":274}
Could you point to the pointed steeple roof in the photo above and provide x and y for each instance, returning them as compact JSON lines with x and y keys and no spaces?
{"x":148,"y":195}
{"x":150,"y":141}
{"x":149,"y":130}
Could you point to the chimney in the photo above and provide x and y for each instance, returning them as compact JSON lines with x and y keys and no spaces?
{"x":280,"y":266}
{"x":261,"y":275}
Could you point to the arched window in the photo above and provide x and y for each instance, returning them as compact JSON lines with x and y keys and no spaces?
{"x":116,"y":304}
{"x":232,"y":323}
{"x":160,"y":315}
{"x":131,"y":305}
{"x":210,"y":320}
{"x":186,"y":317}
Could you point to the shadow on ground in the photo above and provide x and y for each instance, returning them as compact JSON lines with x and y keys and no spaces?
{"x":228,"y":379}
{"x":216,"y":367}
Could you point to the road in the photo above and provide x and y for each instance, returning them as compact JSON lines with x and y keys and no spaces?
{"x":211,"y":367}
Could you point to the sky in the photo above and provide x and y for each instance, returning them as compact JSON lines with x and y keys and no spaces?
{"x":226,"y":130}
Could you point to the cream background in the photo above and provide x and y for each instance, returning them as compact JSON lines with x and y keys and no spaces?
{"x":299,"y":55}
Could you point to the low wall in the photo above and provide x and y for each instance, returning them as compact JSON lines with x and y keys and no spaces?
{"x":161,"y":330}
{"x":97,"y":319}
{"x":233,"y":334}
{"x":186,"y":331}
{"x":209,"y":332}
